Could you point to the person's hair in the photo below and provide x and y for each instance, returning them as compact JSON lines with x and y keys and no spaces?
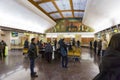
{"x":115,"y":42}
{"x":32,"y":39}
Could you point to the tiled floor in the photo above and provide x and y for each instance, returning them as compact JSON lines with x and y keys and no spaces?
{"x":16,"y":67}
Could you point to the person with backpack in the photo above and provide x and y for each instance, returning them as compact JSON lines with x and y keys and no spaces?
{"x":63,"y":51}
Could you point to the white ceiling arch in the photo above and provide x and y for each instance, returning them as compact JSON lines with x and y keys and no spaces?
{"x":102,"y":14}
{"x":23,"y":15}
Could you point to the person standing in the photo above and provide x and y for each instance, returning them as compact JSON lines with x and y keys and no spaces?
{"x":99,"y":47}
{"x":26,"y":43}
{"x":78,"y":43}
{"x":32,"y":54}
{"x":55,"y":44}
{"x":110,"y":64}
{"x":26,"y":46}
{"x":63,"y":51}
{"x":3,"y":45}
{"x":95,"y":46}
{"x":48,"y":52}
{"x":104,"y":46}
{"x":91,"y":44}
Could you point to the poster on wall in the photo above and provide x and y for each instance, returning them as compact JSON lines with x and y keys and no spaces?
{"x":70,"y":25}
{"x":14,"y":34}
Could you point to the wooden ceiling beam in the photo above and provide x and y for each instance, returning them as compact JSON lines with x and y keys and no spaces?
{"x":58,"y":10}
{"x":71,"y":3}
{"x":67,"y":11}
{"x":42,"y":1}
{"x":67,"y":18}
{"x":35,"y":4}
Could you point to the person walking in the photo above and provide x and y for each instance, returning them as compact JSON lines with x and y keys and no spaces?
{"x":32,"y":54}
{"x":110,"y":65}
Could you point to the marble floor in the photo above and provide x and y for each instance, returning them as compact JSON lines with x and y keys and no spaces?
{"x":16,"y":67}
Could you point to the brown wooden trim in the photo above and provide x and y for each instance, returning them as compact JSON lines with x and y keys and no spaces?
{"x":67,"y":11}
{"x":43,"y":1}
{"x":36,"y":5}
{"x":66,"y":18}
{"x":71,"y":3}
{"x":57,"y":8}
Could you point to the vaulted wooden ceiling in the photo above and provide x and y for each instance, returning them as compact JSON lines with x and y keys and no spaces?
{"x":59,"y":9}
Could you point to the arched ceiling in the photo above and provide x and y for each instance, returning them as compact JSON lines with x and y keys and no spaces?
{"x":57,"y":9}
{"x":21,"y":14}
{"x":39,"y":15}
{"x":102,"y":14}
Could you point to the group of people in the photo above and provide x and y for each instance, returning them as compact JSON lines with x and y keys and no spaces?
{"x":33,"y":53}
{"x":109,"y":66}
{"x":2,"y":48}
{"x":99,"y":46}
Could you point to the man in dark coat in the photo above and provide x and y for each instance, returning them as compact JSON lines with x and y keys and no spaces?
{"x":32,"y":53}
{"x":26,"y":43}
{"x":63,"y":51}
{"x":110,"y":65}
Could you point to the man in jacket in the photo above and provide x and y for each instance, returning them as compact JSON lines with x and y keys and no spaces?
{"x":63,"y":51}
{"x":32,"y":53}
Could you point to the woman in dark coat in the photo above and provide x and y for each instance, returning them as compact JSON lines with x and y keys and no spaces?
{"x":110,"y":65}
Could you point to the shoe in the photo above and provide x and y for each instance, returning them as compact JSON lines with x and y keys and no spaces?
{"x":34,"y":75}
{"x":65,"y":67}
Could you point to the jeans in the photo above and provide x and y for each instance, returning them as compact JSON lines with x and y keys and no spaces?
{"x":32,"y":65}
{"x":64,"y":61}
{"x":103,"y":51}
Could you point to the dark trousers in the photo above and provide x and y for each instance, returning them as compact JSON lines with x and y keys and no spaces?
{"x":3,"y":52}
{"x":64,"y":61}
{"x":103,"y":51}
{"x":32,"y":65}
{"x":99,"y":52}
{"x":49,"y":56}
{"x":94,"y":49}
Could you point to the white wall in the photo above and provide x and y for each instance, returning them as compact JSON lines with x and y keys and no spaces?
{"x":72,"y":35}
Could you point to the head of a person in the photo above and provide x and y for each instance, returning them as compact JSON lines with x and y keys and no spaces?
{"x":2,"y":40}
{"x":26,"y":39}
{"x":34,"y":40}
{"x":115,"y":42}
